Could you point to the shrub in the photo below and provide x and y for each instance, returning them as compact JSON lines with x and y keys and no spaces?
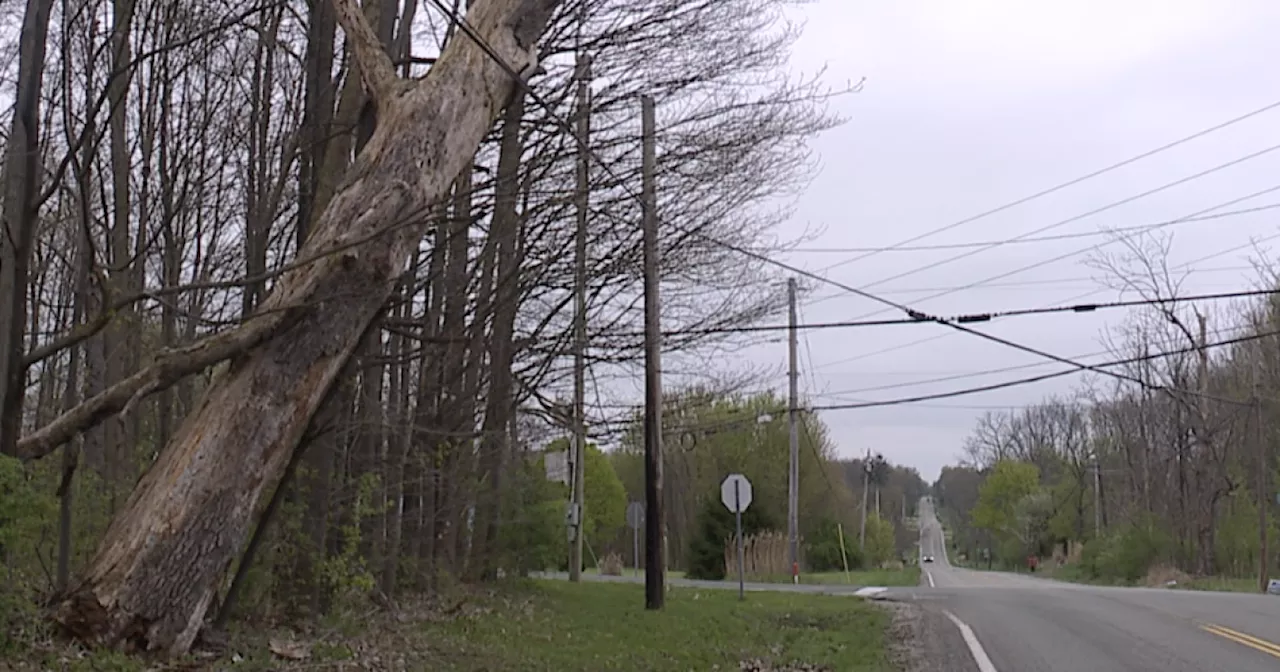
{"x":1126,"y":554}
{"x":714,"y":525}
{"x":822,"y":549}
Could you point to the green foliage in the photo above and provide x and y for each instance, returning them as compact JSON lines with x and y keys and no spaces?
{"x":345,"y":573}
{"x":822,"y":548}
{"x":722,"y":434}
{"x":1074,"y":517}
{"x":880,"y":542}
{"x":24,"y":509}
{"x":1002,"y":491}
{"x":606,"y":505}
{"x":1236,"y":543}
{"x":715,"y":525}
{"x":532,"y":534}
{"x":606,"y":498}
{"x":1127,"y":553}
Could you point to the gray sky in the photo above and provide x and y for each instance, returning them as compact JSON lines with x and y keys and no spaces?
{"x":970,"y":105}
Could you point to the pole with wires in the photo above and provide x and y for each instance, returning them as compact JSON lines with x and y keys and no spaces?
{"x":866,"y":486}
{"x":654,"y":543}
{"x":1264,"y":463}
{"x":582,"y":74}
{"x":793,"y":410}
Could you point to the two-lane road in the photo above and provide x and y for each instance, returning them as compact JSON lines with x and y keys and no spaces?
{"x":1017,"y":623}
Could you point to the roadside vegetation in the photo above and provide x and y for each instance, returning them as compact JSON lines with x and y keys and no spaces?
{"x":548,"y":625}
{"x":1152,"y":480}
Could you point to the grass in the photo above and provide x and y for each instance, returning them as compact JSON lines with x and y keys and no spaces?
{"x":553,"y":625}
{"x":529,"y":626}
{"x":1077,"y":574}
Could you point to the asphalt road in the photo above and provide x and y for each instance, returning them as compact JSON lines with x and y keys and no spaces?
{"x":1016,"y":623}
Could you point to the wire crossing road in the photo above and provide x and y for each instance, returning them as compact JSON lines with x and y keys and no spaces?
{"x":1016,"y":623}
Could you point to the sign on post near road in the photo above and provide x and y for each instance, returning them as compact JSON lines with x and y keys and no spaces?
{"x":635,"y":520}
{"x":739,"y":502}
{"x":735,"y":492}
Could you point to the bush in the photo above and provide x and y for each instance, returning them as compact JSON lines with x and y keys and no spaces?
{"x":714,"y":525}
{"x":822,"y":549}
{"x":1126,"y":554}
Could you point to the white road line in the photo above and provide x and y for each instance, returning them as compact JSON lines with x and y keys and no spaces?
{"x":975,"y":648}
{"x":929,"y":576}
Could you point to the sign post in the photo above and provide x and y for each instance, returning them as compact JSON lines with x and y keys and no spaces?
{"x":635,"y":520}
{"x":735,"y":492}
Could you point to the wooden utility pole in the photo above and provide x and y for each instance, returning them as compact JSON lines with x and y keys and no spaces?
{"x":866,"y":486}
{"x":1264,"y":499}
{"x":793,"y":410}
{"x":1097,"y":495}
{"x":579,"y":452}
{"x":654,"y":528}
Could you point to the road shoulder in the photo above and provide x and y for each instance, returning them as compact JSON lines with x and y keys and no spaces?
{"x":923,"y":640}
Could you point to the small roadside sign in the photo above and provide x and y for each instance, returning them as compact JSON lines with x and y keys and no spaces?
{"x":635,"y":515}
{"x":735,"y":492}
{"x":635,"y":520}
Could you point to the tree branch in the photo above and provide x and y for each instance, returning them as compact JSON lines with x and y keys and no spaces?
{"x":168,"y":368}
{"x":376,"y":69}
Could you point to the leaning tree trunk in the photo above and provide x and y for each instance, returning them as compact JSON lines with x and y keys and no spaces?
{"x":157,"y":569}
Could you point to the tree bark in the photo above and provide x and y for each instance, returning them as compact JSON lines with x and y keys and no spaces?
{"x":499,"y":407}
{"x":21,"y":182}
{"x":155,"y":572}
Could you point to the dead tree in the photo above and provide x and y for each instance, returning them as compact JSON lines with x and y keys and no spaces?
{"x":156,"y":570}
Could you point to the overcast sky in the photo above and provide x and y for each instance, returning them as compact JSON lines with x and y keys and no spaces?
{"x":971,"y":105}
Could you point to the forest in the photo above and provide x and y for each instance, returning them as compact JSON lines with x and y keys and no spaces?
{"x":286,"y":314}
{"x":1159,"y":468}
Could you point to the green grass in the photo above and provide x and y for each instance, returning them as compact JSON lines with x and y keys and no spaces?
{"x":553,"y":625}
{"x":1229,"y":584}
{"x":1223,"y":583}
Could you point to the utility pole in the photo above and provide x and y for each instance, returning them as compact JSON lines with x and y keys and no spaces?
{"x":654,"y":521}
{"x":1264,"y":499}
{"x":866,"y":486}
{"x":1097,"y":496}
{"x":583,"y":75}
{"x":793,"y":410}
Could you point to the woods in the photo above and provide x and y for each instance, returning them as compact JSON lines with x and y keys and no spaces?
{"x":1168,"y":465}
{"x":284,"y":288}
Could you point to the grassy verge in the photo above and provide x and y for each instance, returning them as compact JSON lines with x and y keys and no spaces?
{"x":547,"y":625}
{"x":561,"y":626}
{"x":1228,"y":584}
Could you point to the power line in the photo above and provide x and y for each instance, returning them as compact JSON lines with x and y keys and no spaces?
{"x":967,"y":318}
{"x":1073,"y":253}
{"x":1056,"y":374}
{"x":1078,"y":180}
{"x":986,"y":372}
{"x":1090,"y":213}
{"x":911,"y":312}
{"x":903,"y":346}
{"x":1033,"y":239}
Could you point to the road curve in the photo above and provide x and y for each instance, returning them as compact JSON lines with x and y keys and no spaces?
{"x":1020,"y":623}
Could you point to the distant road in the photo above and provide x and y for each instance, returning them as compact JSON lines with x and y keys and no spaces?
{"x":1016,"y":623}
